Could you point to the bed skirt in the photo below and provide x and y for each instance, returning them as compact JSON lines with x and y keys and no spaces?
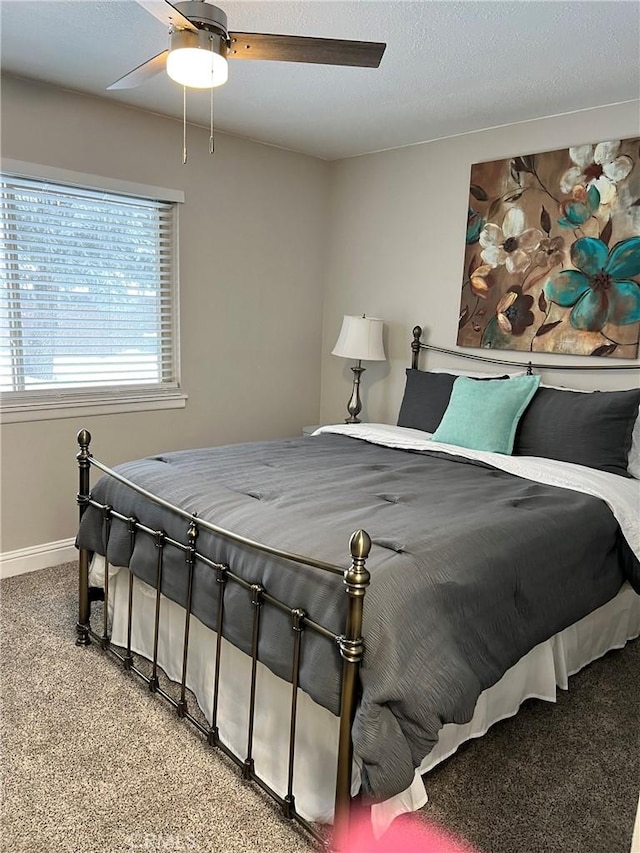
{"x":537,"y":675}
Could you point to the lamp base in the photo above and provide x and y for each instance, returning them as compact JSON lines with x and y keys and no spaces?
{"x":354,"y":406}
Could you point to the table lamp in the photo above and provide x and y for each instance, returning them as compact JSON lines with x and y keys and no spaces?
{"x":360,"y":339}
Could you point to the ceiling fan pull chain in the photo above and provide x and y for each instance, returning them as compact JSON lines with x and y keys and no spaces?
{"x":184,"y":125}
{"x":212,"y":146}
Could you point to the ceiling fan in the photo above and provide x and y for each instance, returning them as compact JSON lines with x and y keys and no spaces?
{"x":200,"y":45}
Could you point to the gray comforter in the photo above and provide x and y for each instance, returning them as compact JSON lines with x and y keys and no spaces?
{"x":471,"y":567}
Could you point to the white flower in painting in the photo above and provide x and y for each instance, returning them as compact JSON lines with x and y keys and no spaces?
{"x":601,"y":167}
{"x":510,"y":245}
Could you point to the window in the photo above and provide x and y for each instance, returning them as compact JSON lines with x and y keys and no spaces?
{"x":88,"y":308}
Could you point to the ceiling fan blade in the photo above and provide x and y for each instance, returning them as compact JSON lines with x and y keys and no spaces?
{"x":167,"y":13}
{"x":365,"y":54}
{"x":143,"y":72}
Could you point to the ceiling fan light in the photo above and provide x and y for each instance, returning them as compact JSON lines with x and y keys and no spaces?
{"x":197,"y":68}
{"x":197,"y":60}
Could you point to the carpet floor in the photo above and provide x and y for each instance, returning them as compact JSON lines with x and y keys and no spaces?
{"x":93,"y":762}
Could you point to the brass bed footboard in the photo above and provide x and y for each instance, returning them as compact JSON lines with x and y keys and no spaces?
{"x":350,"y":643}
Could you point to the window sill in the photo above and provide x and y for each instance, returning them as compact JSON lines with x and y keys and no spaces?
{"x":76,"y":409}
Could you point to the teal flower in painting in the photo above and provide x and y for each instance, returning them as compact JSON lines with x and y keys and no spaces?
{"x":580,"y":207}
{"x":475,"y":224}
{"x":600,"y":290}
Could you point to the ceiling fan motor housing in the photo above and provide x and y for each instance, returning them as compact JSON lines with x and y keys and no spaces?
{"x":204,"y":15}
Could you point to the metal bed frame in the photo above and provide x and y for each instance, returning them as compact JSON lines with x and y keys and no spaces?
{"x":350,"y":643}
{"x":417,"y":344}
{"x":356,"y":578}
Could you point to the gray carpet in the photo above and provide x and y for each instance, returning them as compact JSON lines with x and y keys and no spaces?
{"x":93,"y":762}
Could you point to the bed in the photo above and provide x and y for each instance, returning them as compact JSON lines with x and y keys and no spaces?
{"x":485,"y":576}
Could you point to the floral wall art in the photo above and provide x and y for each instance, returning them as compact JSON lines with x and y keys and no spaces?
{"x":552,"y":260}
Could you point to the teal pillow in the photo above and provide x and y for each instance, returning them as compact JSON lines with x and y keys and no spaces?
{"x":485,"y":415}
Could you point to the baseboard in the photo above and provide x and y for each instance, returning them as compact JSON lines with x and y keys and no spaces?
{"x":37,"y":557}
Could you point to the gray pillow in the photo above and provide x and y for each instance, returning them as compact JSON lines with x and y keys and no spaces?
{"x":426,"y":397}
{"x":588,"y":429}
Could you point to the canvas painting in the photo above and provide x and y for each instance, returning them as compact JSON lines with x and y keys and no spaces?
{"x":552,"y":258}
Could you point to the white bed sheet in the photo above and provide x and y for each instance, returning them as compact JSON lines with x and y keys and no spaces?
{"x":538,"y":674}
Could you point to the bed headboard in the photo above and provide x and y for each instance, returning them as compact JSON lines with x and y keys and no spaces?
{"x":598,"y":430}
{"x":417,"y":344}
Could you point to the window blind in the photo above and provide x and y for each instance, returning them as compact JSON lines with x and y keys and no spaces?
{"x":88,"y":301}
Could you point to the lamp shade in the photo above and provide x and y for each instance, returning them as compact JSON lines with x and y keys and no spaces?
{"x":360,"y":338}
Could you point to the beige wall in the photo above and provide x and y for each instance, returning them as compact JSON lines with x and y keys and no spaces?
{"x":252,"y":240}
{"x":273,"y":246}
{"x":398,"y":221}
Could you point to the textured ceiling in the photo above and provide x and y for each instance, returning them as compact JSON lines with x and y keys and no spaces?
{"x":450,"y":67}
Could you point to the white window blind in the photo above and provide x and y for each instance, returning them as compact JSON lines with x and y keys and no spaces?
{"x":88,"y":307}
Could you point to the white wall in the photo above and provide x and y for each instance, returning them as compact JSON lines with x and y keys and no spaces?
{"x":397,"y":239}
{"x":252,"y":242}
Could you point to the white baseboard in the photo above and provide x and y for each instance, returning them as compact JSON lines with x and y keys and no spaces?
{"x":37,"y":557}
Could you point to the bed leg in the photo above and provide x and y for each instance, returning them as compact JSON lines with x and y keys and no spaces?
{"x":83,"y":625}
{"x":356,"y":580}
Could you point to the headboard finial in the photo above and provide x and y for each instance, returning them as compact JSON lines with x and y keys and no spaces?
{"x":415,"y":346}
